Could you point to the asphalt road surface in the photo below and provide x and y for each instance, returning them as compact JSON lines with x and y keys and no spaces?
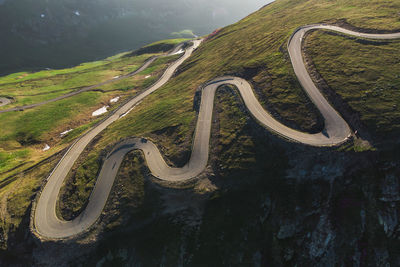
{"x":336,"y":131}
{"x":46,"y":222}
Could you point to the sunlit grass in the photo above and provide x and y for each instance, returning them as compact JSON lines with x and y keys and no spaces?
{"x":31,"y":129}
{"x":254,"y":48}
{"x":365,"y":75}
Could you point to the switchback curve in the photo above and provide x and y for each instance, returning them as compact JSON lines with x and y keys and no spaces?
{"x":336,"y":131}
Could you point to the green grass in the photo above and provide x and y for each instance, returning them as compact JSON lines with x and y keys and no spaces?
{"x":163,"y":45}
{"x":19,"y":194}
{"x":366,"y":75}
{"x":39,"y":120}
{"x":45,"y":85}
{"x":28,"y":88}
{"x":83,"y":182}
{"x":159,"y":61}
{"x":254,"y":48}
{"x":168,"y":42}
{"x":130,"y":182}
{"x":27,"y":132}
{"x":183,"y":33}
{"x":15,"y":157}
{"x":227,"y":212}
{"x":131,"y":82}
{"x":42,"y":125}
{"x":21,"y":147}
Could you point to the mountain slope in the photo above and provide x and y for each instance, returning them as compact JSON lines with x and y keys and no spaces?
{"x":255,"y":49}
{"x":263,"y":200}
{"x":364,"y":75}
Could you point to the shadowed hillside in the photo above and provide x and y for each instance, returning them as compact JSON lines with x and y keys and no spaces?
{"x":262,"y":200}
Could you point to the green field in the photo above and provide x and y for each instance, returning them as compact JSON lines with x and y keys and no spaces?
{"x":27,"y":132}
{"x":29,"y":88}
{"x":254,"y":48}
{"x":33,"y":87}
{"x":365,"y":74}
{"x":21,"y":147}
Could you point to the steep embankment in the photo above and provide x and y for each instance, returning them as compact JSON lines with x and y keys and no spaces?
{"x":22,"y":147}
{"x":304,"y":221}
{"x":362,"y":78}
{"x":326,"y":211}
{"x":336,"y":132}
{"x":255,"y":49}
{"x":58,"y":101}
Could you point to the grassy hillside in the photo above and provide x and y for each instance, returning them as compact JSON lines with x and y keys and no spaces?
{"x":365,"y":74}
{"x":290,"y":184}
{"x":22,"y":141}
{"x":254,"y":48}
{"x":27,"y":132}
{"x":158,"y":46}
{"x":29,"y":88}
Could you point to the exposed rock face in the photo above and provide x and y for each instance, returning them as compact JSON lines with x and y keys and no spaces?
{"x":287,"y":231}
{"x":322,"y":238}
{"x":338,"y":211}
{"x":390,"y":188}
{"x":388,"y":214}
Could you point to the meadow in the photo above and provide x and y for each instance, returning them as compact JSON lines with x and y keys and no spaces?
{"x":365,"y":74}
{"x":253,"y":48}
{"x":27,"y":132}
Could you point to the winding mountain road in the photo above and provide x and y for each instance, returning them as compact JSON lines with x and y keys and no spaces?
{"x":336,"y":131}
{"x":146,"y":64}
